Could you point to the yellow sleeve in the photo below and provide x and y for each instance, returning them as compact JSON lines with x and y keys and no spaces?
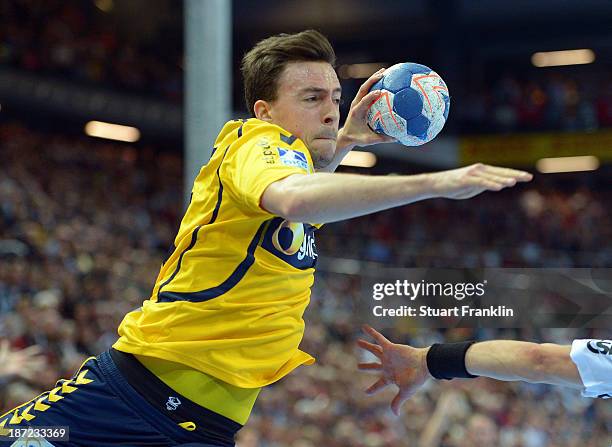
{"x":249,"y":168}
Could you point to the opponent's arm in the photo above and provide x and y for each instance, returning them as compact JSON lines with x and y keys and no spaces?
{"x":409,"y":368}
{"x":510,"y":360}
{"x":326,"y":197}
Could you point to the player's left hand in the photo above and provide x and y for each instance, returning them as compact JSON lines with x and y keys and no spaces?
{"x":399,"y":365}
{"x":356,"y":131}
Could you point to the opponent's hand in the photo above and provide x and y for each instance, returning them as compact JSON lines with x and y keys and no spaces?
{"x":23,"y":364}
{"x":467,"y":182}
{"x":400,"y":365}
{"x":356,"y":131}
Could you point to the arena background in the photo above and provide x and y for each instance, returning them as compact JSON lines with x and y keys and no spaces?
{"x":86,"y":221}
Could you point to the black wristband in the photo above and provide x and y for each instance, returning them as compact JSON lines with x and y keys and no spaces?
{"x":447,"y":360}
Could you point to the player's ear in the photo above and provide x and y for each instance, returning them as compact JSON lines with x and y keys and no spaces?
{"x":262,"y":110}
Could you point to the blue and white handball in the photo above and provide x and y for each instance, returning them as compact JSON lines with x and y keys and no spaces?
{"x":413,"y":106}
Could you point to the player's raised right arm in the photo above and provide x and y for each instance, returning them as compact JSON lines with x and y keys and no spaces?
{"x":325,"y":197}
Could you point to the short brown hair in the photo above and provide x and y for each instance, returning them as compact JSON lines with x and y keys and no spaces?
{"x":262,"y":66}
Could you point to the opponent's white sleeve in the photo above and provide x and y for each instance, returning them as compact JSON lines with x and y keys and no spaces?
{"x":593,"y":358}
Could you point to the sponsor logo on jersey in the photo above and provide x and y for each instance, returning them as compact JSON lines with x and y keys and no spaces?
{"x":293,"y":242}
{"x":269,"y":154}
{"x":173,"y":403}
{"x":293,"y":158}
{"x":308,"y":248}
{"x":288,"y":237}
{"x":264,"y":142}
{"x":600,"y":347}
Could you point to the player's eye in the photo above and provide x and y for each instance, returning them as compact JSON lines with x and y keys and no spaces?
{"x":338,"y":101}
{"x":311,"y":99}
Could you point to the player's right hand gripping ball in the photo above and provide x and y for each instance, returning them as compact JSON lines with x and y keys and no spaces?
{"x":413,"y":106}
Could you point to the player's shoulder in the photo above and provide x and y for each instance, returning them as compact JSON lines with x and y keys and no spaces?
{"x":240,"y":132}
{"x":257,"y":137}
{"x":258,"y":131}
{"x":243,"y":131}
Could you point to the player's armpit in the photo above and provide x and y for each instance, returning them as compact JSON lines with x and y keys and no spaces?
{"x":279,"y":198}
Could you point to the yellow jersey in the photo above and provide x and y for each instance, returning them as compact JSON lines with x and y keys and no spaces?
{"x":230,"y":298}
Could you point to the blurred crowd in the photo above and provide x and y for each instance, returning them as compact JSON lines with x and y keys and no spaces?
{"x":533,"y":226}
{"x":555,"y":101}
{"x":76,"y":41}
{"x":85,"y":225}
{"x":83,"y":229}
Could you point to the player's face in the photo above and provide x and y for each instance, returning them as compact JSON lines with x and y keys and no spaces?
{"x":308,"y":106}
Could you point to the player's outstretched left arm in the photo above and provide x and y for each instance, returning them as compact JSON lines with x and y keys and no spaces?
{"x":409,"y":368}
{"x":325,"y":197}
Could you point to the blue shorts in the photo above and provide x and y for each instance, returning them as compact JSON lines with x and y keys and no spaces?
{"x":101,"y":406}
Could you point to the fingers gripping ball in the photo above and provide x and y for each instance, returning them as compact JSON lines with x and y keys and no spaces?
{"x":413,"y":105}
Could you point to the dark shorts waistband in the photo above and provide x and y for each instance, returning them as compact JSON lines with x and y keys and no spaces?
{"x":175,"y":406}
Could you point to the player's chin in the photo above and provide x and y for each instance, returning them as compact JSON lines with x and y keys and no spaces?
{"x":325,"y":145}
{"x":324,"y":150}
